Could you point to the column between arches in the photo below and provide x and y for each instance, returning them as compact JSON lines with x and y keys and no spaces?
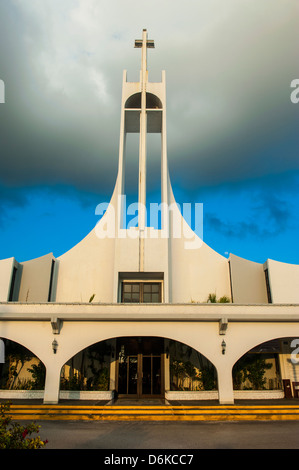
{"x":52,"y":383}
{"x":225,"y":382}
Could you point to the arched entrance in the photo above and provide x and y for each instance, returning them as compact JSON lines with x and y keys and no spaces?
{"x":147,"y":367}
{"x":139,"y":367}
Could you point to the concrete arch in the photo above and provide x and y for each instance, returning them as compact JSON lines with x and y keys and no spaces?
{"x":25,"y":343}
{"x":253,"y":336}
{"x":92,"y":333}
{"x":81,"y":366}
{"x":165,"y":330}
{"x":138,"y":336}
{"x":38,"y":339}
{"x":86,"y":347}
{"x":22,"y":364}
{"x":258,"y":344}
{"x":203,"y":337}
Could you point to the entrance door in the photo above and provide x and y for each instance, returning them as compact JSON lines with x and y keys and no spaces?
{"x":139,"y":375}
{"x":128,"y":376}
{"x":151,"y":375}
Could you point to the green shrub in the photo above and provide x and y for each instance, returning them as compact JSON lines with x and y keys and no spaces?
{"x":253,"y":368}
{"x":14,"y":435}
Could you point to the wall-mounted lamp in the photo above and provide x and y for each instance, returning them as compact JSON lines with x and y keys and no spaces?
{"x":223,"y":345}
{"x":54,"y":346}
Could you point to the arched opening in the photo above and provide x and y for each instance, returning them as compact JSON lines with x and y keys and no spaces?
{"x":190,"y":370}
{"x":134,"y":101}
{"x":88,"y":370}
{"x":269,"y":366}
{"x":138,"y":367}
{"x":152,"y":101}
{"x":22,"y":370}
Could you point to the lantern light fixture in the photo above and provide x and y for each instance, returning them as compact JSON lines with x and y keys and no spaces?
{"x":54,"y":346}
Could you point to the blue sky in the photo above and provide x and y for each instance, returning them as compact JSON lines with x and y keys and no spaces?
{"x":232,"y":129}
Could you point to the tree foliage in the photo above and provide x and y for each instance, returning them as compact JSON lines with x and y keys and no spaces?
{"x":250,"y":367}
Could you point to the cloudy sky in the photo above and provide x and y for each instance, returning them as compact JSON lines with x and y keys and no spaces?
{"x":232,"y":136}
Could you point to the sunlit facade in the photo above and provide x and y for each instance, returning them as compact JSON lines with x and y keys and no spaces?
{"x":148,"y":311}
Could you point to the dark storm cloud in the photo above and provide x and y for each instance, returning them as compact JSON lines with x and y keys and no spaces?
{"x":229,"y":66}
{"x":48,"y":136}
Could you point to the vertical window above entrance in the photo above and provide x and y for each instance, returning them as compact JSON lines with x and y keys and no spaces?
{"x":141,"y":292}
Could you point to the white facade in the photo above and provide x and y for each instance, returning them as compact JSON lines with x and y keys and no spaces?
{"x":49,"y":297}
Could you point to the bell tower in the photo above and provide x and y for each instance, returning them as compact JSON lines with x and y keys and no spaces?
{"x":143,"y":111}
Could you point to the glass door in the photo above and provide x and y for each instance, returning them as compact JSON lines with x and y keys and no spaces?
{"x":151,"y":375}
{"x":140,"y":367}
{"x":140,"y":376}
{"x":128,"y":375}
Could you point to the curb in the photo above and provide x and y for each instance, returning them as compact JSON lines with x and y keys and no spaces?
{"x":154,"y":413}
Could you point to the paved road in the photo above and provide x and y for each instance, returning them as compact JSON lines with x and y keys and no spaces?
{"x":170,"y":435}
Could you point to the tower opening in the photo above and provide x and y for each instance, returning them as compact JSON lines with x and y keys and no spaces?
{"x":153,"y":181}
{"x":133,"y":101}
{"x":131,"y":181}
{"x":153,"y":102}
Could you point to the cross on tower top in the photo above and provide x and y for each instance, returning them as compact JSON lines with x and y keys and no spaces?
{"x":144,"y":44}
{"x":149,"y":42}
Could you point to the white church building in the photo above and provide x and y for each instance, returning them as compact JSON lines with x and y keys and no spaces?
{"x":145,"y":312}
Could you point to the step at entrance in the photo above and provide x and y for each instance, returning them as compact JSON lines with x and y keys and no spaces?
{"x":139,"y":402}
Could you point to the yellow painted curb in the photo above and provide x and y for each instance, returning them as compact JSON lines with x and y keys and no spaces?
{"x":229,"y":417}
{"x":154,"y":413}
